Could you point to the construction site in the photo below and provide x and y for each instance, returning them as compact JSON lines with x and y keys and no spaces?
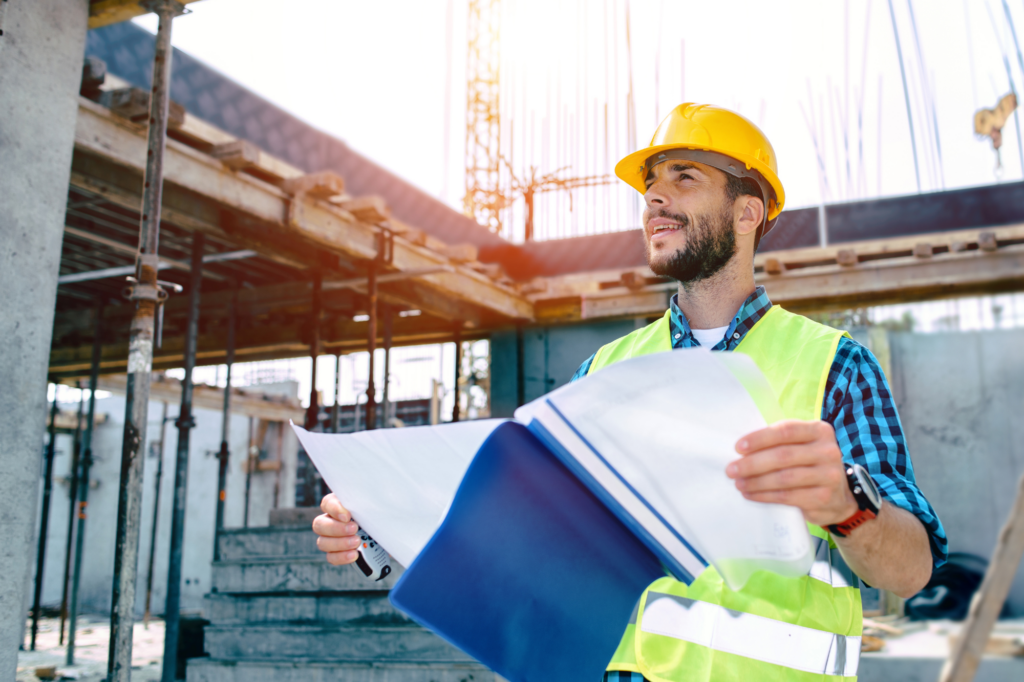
{"x":189,"y":267}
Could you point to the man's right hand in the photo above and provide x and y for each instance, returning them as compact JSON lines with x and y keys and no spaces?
{"x":337,"y":532}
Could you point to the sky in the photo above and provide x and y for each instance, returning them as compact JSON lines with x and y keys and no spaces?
{"x":822,"y":79}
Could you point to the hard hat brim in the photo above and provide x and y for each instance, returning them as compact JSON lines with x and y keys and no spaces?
{"x":631,"y":170}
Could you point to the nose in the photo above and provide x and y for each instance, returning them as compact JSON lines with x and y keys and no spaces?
{"x":655,"y":196}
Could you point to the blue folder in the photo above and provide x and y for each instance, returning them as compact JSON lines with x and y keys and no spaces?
{"x":529,"y":573}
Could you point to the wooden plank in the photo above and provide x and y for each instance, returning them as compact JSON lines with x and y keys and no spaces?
{"x":316,"y":222}
{"x":965,"y":656}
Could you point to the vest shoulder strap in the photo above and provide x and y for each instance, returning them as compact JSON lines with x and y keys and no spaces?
{"x":654,"y":338}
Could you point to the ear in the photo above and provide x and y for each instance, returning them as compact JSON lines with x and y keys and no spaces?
{"x":749,"y":214}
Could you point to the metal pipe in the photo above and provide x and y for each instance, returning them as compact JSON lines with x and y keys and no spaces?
{"x":172,"y":610}
{"x":386,"y":402}
{"x":520,"y":367}
{"x":156,"y":514}
{"x":76,"y":451}
{"x":83,"y":482}
{"x":224,"y":456}
{"x":371,"y":333}
{"x":248,"y":472}
{"x":313,"y":413}
{"x":123,"y":270}
{"x":458,"y":372}
{"x":147,"y":294}
{"x":336,"y":409}
{"x":44,"y":523}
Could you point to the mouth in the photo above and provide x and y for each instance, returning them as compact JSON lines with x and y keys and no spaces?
{"x":662,"y":227}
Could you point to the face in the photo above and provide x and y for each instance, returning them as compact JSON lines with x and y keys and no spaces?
{"x":688,"y":222}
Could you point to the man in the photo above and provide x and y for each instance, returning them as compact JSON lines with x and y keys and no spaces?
{"x":711,"y":187}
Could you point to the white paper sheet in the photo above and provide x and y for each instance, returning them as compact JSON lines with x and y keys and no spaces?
{"x":398,"y":483}
{"x":668,"y":423}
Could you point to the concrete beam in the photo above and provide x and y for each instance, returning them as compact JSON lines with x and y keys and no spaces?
{"x":41,"y":52}
{"x":106,"y":12}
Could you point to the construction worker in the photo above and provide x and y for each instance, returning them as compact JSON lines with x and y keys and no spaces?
{"x":712,"y":191}
{"x":711,"y":186}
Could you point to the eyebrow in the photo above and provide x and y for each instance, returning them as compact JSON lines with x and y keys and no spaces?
{"x":675,"y":168}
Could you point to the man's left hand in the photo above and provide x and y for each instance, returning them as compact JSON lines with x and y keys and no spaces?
{"x":798,"y":463}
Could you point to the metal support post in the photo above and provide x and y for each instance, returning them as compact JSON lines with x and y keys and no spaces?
{"x":248,"y":470}
{"x":386,"y":402}
{"x":156,"y":514}
{"x":313,"y":413}
{"x":45,"y":520}
{"x":371,"y":346}
{"x":83,"y":482}
{"x":458,"y":372}
{"x":520,"y":368}
{"x":224,"y":456}
{"x":76,"y":451}
{"x":147,"y":294}
{"x":385,"y":253}
{"x":336,"y":409}
{"x":172,"y":610}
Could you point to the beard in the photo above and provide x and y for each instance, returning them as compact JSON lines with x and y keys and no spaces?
{"x":710,"y":245}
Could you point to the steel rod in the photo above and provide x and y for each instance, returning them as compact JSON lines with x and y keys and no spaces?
{"x":185,"y":423}
{"x":76,"y":451}
{"x":250,"y":455}
{"x":458,"y":372}
{"x":147,"y":295}
{"x":386,"y":401}
{"x":156,"y":514}
{"x":336,"y":408}
{"x":83,"y":482}
{"x":371,"y":340}
{"x":224,"y":456}
{"x":44,"y":522}
{"x":906,"y":96}
{"x":313,"y":413}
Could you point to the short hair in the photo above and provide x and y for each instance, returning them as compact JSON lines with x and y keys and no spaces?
{"x":745,"y":187}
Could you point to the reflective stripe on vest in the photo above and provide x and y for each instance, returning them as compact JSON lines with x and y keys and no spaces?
{"x":775,"y":628}
{"x":762,"y":639}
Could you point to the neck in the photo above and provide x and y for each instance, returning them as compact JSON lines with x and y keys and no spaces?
{"x":713,"y":302}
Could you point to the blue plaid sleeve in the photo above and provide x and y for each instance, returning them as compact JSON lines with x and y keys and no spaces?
{"x":584,"y":368}
{"x":859,"y":404}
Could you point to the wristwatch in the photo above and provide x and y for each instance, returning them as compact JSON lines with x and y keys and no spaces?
{"x":869,"y":500}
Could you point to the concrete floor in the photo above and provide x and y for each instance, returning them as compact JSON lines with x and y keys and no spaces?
{"x":91,"y":641}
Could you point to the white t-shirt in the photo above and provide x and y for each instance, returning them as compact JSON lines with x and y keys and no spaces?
{"x":709,"y":338}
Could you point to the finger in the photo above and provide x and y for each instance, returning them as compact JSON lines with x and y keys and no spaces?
{"x":777,"y":458}
{"x":789,"y":431}
{"x":327,"y":526}
{"x":341,"y":558}
{"x":331,"y":505}
{"x":336,"y":544}
{"x":789,"y":478}
{"x":807,"y":499}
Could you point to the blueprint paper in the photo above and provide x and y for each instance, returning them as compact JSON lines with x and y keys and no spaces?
{"x":397,"y":483}
{"x":668,"y":424}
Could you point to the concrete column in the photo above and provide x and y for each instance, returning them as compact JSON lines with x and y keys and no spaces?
{"x":41,"y":52}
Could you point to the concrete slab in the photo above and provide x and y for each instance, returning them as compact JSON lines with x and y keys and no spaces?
{"x":291,"y":575}
{"x":213,"y":670}
{"x":345,"y":608}
{"x":326,"y":643}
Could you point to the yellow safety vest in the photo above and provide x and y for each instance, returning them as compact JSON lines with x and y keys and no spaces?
{"x":775,"y":628}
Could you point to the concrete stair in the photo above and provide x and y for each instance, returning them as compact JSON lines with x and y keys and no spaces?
{"x":278,"y":611}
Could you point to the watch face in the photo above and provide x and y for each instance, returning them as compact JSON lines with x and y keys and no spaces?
{"x":867,"y":484}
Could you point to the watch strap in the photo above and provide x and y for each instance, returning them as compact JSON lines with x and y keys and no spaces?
{"x":849,"y":525}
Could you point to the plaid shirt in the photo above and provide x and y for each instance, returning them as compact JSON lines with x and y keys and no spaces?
{"x":858,"y":404}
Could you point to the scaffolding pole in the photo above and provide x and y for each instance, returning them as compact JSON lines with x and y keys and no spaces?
{"x":185,"y":423}
{"x":147,"y":295}
{"x":458,"y":372}
{"x":83,"y":482}
{"x":386,"y":401}
{"x":44,"y":522}
{"x":156,"y":514}
{"x":224,"y":455}
{"x":76,"y":452}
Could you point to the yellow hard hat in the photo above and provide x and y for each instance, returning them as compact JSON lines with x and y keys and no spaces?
{"x":715,"y":137}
